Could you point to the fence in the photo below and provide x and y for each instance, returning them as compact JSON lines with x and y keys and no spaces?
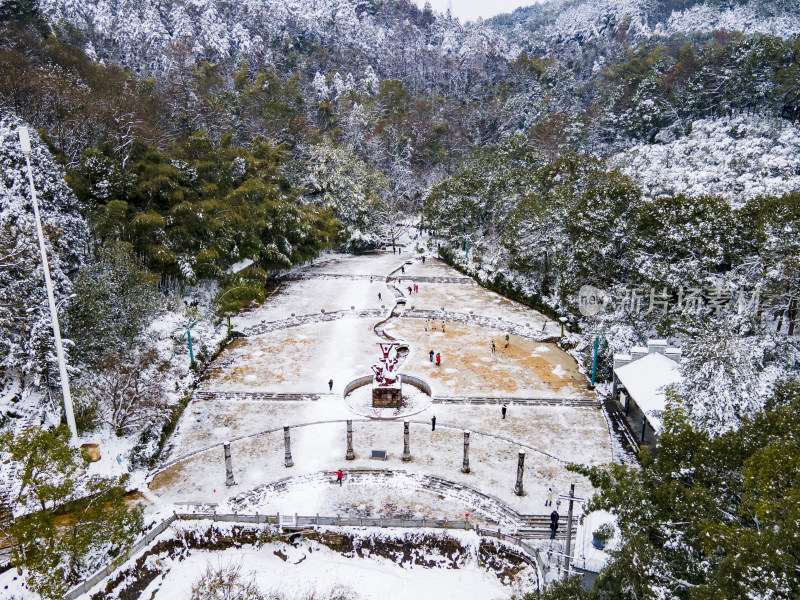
{"x":529,"y":551}
{"x":367,"y":379}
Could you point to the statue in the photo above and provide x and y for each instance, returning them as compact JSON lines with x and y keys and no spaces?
{"x":387,"y":385}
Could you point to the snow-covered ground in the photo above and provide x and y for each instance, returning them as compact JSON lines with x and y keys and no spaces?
{"x":551,"y":436}
{"x":307,"y":297}
{"x":321,"y":571}
{"x":298,"y":359}
{"x":737,"y":158}
{"x":304,"y":358}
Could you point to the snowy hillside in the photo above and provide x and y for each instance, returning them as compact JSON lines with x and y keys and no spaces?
{"x":749,"y":18}
{"x":588,"y":22}
{"x":150,"y":35}
{"x":739,"y":158}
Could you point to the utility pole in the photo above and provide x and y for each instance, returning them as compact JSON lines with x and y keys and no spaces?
{"x":25,"y":144}
{"x":571,"y":499}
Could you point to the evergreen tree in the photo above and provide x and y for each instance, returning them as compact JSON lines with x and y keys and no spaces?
{"x":115,"y":299}
{"x":58,"y":552}
{"x":708,"y":517}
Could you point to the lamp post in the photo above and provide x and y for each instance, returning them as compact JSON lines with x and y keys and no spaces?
{"x":25,"y":144}
{"x":594,"y":361}
{"x":187,"y":329}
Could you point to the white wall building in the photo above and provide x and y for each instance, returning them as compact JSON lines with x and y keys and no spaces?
{"x":640,"y":382}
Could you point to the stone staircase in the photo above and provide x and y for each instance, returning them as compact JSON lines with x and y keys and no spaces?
{"x":532,"y":331}
{"x":581,"y":402}
{"x":424,"y":279}
{"x":487,"y":507}
{"x":201,"y":395}
{"x":321,"y":317}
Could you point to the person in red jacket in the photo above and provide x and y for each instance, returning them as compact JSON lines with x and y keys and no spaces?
{"x":339,"y":474}
{"x":438,"y":359}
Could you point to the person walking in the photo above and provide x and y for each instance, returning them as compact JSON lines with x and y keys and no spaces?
{"x":330,"y":385}
{"x":433,"y":423}
{"x":506,"y":340}
{"x":442,"y":326}
{"x":403,"y":269}
{"x":431,"y":355}
{"x":503,"y":410}
{"x":493,"y":348}
{"x":548,"y":501}
{"x":379,"y":297}
{"x":438,"y":359}
{"x":553,"y":524}
{"x":339,"y":475}
{"x":423,"y":260}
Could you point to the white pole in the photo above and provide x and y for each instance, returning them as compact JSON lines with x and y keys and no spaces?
{"x":24,"y":141}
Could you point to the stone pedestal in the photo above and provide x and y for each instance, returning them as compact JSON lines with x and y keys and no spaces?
{"x":387,"y":396}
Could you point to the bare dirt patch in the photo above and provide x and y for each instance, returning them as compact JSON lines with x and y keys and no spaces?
{"x":470,"y":368}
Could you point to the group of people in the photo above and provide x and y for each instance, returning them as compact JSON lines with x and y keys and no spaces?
{"x":494,"y":347}
{"x":438,"y":357}
{"x":430,"y":324}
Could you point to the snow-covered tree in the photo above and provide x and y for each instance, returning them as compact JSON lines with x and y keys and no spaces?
{"x":26,"y":345}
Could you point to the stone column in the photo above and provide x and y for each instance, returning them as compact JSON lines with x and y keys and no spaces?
{"x":406,"y":451}
{"x":229,"y":480}
{"x":465,"y":466}
{"x":287,"y":443}
{"x":350,"y":454}
{"x":520,"y":470}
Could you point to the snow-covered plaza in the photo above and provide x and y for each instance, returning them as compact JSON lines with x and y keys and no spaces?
{"x":322,"y":324}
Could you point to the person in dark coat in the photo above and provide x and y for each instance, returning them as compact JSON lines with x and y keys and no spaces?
{"x":433,"y":423}
{"x":431,"y":355}
{"x":503,"y":410}
{"x":330,"y":385}
{"x":553,"y":524}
